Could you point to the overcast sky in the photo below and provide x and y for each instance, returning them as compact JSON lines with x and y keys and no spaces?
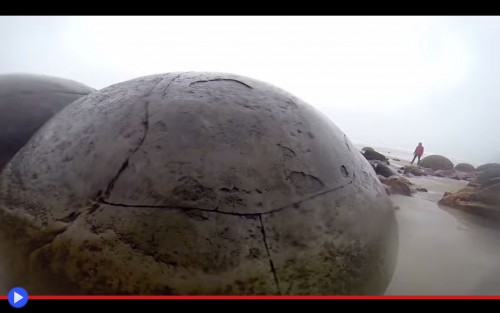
{"x":390,"y":80}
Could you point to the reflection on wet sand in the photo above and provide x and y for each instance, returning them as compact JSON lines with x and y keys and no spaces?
{"x":444,"y":251}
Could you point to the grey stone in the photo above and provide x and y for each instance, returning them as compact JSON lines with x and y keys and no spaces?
{"x":384,"y":170}
{"x":374,"y":155}
{"x":487,"y":167}
{"x":464,"y":167}
{"x":436,"y":162}
{"x":194,"y":183}
{"x":26,"y":103}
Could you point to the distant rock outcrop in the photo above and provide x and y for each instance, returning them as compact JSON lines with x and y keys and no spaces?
{"x":437,"y":162}
{"x":464,"y":167}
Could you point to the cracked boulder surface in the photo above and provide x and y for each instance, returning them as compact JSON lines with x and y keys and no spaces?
{"x":194,"y":183}
{"x":26,"y":103}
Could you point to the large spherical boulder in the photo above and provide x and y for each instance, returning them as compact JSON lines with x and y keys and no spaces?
{"x":26,"y":103}
{"x":194,"y":183}
{"x":436,"y":162}
{"x":464,"y":167}
{"x":488,"y":167}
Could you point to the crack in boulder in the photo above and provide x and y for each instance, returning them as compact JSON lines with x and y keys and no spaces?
{"x":248,"y":215}
{"x":218,"y":80}
{"x":271,"y":264}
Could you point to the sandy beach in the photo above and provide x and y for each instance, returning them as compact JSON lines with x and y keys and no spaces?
{"x":442,"y":250}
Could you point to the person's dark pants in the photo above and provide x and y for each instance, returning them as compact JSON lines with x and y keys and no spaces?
{"x":414,"y":157}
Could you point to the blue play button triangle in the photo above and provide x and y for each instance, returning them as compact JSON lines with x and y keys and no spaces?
{"x":18,"y":297}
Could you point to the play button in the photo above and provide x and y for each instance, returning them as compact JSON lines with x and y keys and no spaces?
{"x":18,"y":297}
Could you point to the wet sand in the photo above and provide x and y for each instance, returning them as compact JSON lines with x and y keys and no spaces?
{"x":443,"y":251}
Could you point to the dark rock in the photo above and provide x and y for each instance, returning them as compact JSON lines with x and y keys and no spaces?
{"x":422,"y":189}
{"x":396,"y":159}
{"x":374,"y":155}
{"x":436,"y":162}
{"x":367,"y":148}
{"x":384,"y":170}
{"x":464,"y":167}
{"x":190,"y":183}
{"x":26,"y":103}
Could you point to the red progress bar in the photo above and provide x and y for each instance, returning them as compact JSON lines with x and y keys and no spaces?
{"x":74,"y":297}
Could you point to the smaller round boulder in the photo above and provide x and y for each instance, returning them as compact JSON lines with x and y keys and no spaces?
{"x":487,"y":167}
{"x":437,"y":162}
{"x":464,"y":167}
{"x":27,"y":102}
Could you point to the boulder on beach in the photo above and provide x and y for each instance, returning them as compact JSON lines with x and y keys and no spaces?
{"x":487,"y":167}
{"x":464,"y":167}
{"x":415,"y":170}
{"x":436,"y":162}
{"x":482,"y":196}
{"x":367,"y":148}
{"x":384,"y":170}
{"x":194,"y":183}
{"x":27,"y":102}
{"x":398,"y":185}
{"x":484,"y":176}
{"x":374,"y":155}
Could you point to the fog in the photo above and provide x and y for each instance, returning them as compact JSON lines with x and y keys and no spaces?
{"x":393,"y":81}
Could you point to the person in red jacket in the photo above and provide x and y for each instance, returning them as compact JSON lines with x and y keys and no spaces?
{"x":419,"y":151}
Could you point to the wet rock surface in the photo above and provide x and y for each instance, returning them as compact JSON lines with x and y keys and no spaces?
{"x":194,"y":183}
{"x":397,"y":184}
{"x":374,"y":155}
{"x":436,"y":162}
{"x":481,"y":196}
{"x":384,"y":170}
{"x":26,"y":103}
{"x":414,"y":170}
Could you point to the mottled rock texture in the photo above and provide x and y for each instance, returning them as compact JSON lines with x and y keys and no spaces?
{"x":436,"y":162}
{"x":464,"y":167}
{"x":194,"y":183}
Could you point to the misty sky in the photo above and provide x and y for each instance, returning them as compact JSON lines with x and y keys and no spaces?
{"x":389,"y":80}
